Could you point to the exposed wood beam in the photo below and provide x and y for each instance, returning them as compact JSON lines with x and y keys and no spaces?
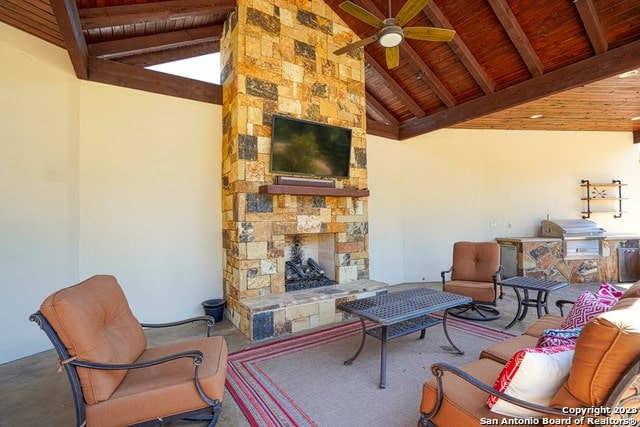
{"x":169,"y":55}
{"x":381,"y":129}
{"x":101,"y":17}
{"x":636,"y":137}
{"x":580,"y":73}
{"x":412,"y":56}
{"x":592,"y":25}
{"x":378,"y":108}
{"x":411,"y":104}
{"x":129,"y":76}
{"x":518,"y":37}
{"x":159,"y":42}
{"x":434,"y":82}
{"x":459,"y":47}
{"x":66,"y":14}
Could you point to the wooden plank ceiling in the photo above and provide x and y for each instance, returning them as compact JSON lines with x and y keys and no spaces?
{"x":509,"y":59}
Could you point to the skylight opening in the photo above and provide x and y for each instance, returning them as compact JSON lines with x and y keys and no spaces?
{"x":205,"y":68}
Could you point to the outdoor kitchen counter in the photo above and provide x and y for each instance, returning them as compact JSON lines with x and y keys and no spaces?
{"x":608,"y":236}
{"x":622,"y":236}
{"x":537,"y":256}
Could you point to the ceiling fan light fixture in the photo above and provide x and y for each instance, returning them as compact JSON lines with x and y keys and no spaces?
{"x":390,"y":36}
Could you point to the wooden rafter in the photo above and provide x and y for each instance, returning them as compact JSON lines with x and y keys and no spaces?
{"x":101,"y":17}
{"x":411,"y":104}
{"x":382,"y":129}
{"x":435,"y":15}
{"x":174,"y":54}
{"x":434,"y":82}
{"x":592,"y":25}
{"x":158,"y":42}
{"x":378,"y":108}
{"x":518,"y":37}
{"x":436,"y":85}
{"x":66,"y":14}
{"x":586,"y":71}
{"x":118,"y":74}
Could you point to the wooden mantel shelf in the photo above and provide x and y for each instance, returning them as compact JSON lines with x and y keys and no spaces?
{"x":300,"y":190}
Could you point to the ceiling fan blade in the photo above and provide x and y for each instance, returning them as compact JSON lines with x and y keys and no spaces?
{"x":409,"y":10}
{"x":431,"y":34}
{"x":392,"y":55}
{"x":361,"y":14}
{"x":354,"y":46}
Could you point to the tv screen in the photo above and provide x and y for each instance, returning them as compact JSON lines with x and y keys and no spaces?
{"x":307,"y":148}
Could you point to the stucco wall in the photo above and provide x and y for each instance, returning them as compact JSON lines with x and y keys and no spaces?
{"x":100,"y":179}
{"x":481,"y":184}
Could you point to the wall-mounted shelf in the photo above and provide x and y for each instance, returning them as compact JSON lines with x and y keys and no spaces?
{"x":598,"y":193}
{"x":300,"y":190}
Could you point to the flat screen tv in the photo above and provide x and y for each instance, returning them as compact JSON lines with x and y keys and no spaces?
{"x":307,"y":148}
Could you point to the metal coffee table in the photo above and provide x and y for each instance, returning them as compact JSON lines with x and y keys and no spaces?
{"x":542,"y":286}
{"x":401,"y":313}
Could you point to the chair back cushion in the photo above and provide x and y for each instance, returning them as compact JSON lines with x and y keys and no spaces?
{"x":475,"y":261}
{"x":95,"y":323}
{"x":607,"y":346}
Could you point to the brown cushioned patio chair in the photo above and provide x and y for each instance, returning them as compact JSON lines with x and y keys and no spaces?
{"x":115,"y":378}
{"x":475,"y":273}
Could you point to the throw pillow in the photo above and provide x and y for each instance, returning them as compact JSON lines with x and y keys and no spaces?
{"x":534,"y":375}
{"x":585,"y":308}
{"x":608,"y":294}
{"x":556,"y":337}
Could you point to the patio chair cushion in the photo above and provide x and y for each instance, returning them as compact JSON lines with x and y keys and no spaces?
{"x":475,"y":261}
{"x":168,"y":385}
{"x":468,"y":407}
{"x":548,"y":321}
{"x":606,"y":347}
{"x":477,"y":291}
{"x":533,"y":375}
{"x":504,"y":350}
{"x":110,"y":332}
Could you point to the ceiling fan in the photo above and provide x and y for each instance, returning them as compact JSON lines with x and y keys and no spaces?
{"x":390,"y":32}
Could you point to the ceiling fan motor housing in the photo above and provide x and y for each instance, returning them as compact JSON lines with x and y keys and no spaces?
{"x":390,"y":35}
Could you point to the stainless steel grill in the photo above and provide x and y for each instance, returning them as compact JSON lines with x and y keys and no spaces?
{"x":582,"y":238}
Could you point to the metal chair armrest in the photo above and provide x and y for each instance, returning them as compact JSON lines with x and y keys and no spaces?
{"x":438,"y":369}
{"x":196,"y":355}
{"x":496,"y":278}
{"x":561,"y":303}
{"x":208,"y":319}
{"x":442,"y":274}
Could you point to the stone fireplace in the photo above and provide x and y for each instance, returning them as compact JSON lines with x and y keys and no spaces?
{"x":277,"y":59}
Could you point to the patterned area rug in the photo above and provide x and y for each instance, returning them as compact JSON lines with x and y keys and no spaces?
{"x":302,"y":381}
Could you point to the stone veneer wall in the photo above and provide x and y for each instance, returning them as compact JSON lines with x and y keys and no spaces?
{"x":277,"y":59}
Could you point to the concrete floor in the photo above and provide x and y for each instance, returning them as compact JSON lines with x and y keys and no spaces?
{"x":32,"y":393}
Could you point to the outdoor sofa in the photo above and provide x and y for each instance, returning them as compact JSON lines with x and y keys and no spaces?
{"x":601,"y":370}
